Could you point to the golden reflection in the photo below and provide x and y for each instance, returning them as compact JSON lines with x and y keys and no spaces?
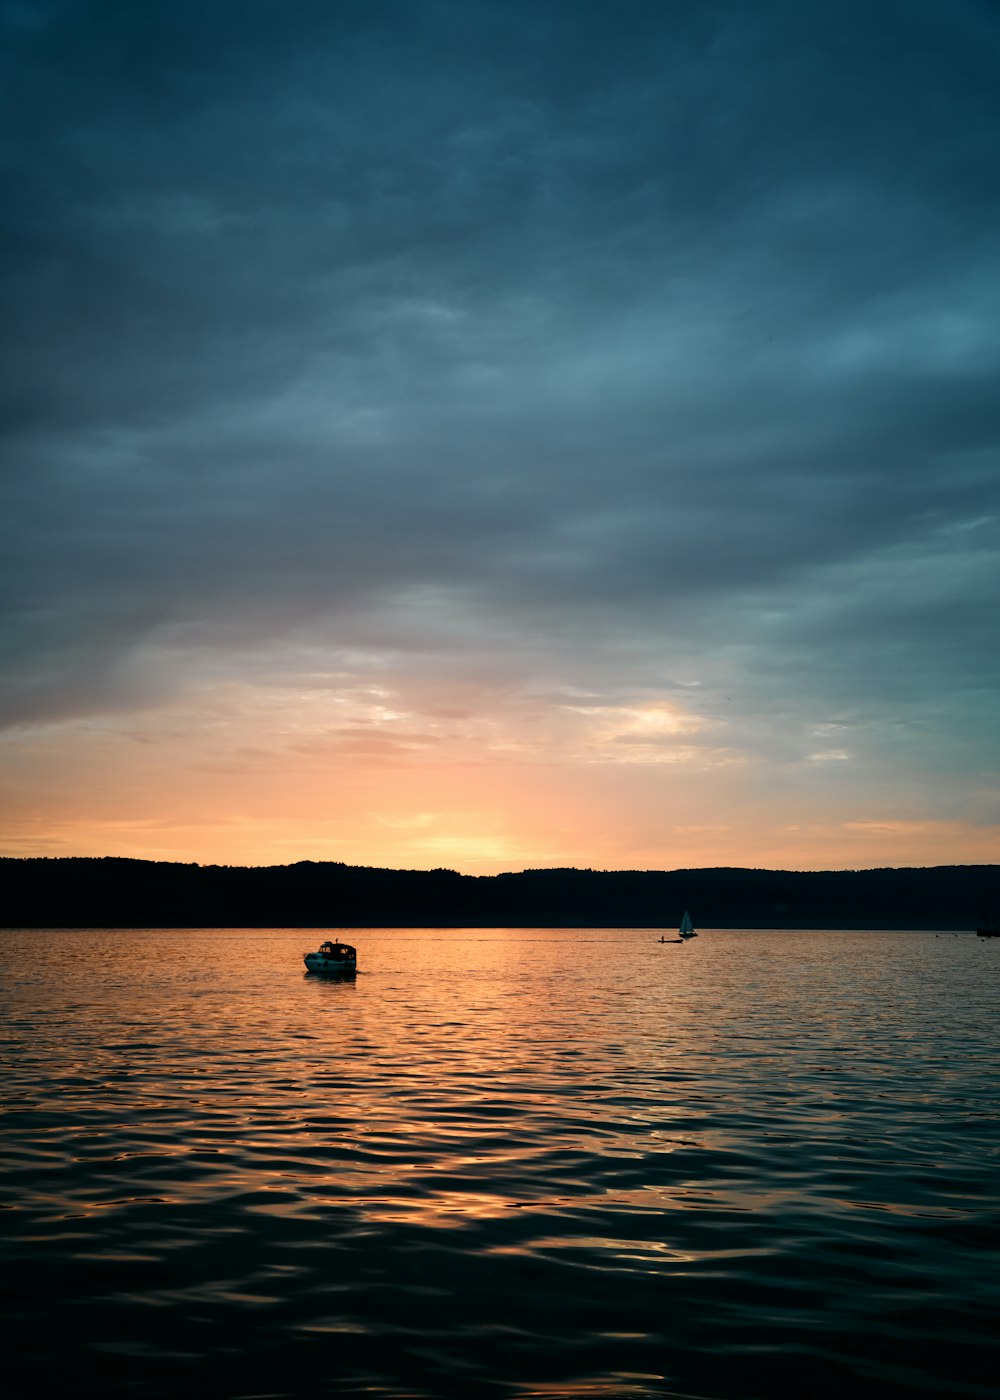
{"x":612,"y":1387}
{"x":444,"y":1210}
{"x":538,"y":1142}
{"x":638,"y":1250}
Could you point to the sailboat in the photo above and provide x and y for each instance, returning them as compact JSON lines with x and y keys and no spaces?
{"x":686,"y":930}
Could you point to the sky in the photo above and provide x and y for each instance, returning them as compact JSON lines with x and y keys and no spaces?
{"x":489,"y":434}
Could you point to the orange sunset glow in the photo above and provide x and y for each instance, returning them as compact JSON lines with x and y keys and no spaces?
{"x":375,"y":775}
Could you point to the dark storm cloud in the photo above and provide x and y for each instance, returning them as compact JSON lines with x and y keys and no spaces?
{"x":670,"y":322}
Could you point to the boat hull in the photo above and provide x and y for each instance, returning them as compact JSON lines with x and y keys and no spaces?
{"x":316,"y":962}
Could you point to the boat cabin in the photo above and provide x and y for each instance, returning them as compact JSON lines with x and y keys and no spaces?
{"x":337,"y":950}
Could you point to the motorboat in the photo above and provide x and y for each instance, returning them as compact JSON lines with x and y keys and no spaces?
{"x":333,"y":957}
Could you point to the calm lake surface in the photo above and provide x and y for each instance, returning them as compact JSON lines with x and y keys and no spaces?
{"x":501,"y":1163}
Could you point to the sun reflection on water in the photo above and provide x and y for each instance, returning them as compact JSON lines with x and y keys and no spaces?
{"x":489,"y":1162}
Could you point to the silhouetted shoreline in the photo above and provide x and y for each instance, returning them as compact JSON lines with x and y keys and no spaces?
{"x":116,"y":892}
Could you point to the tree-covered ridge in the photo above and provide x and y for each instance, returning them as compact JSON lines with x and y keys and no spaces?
{"x":85,"y":892}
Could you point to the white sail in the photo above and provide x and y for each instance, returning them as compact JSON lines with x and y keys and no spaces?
{"x":687,"y":927}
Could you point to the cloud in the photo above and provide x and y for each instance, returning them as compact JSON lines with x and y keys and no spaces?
{"x":518,"y":347}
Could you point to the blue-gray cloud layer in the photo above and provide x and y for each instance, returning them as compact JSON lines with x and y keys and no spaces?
{"x":619,"y":329}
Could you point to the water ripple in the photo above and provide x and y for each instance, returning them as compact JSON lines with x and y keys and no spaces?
{"x":485,"y":1168}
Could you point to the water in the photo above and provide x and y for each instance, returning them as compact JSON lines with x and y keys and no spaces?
{"x":501,"y":1163}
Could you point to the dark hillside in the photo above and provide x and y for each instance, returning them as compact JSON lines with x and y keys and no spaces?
{"x":111,"y":892}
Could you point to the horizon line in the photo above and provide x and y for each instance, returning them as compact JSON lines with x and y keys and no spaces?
{"x":526,"y":870}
